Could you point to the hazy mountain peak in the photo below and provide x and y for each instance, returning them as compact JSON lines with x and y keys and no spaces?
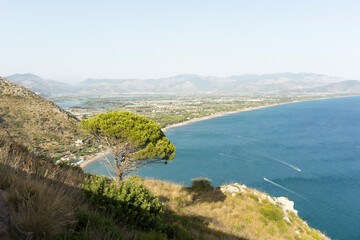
{"x":9,"y":88}
{"x":179,"y":84}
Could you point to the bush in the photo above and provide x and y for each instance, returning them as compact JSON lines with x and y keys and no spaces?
{"x":131,"y":202}
{"x":201,"y":183}
{"x":272,"y":212}
{"x":93,"y":226}
{"x":275,"y":214}
{"x":175,"y":230}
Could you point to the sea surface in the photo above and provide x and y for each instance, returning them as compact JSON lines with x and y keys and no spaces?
{"x":78,"y":103}
{"x":309,"y":152}
{"x":82,"y":103}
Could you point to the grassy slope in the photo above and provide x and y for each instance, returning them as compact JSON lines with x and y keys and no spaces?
{"x":242,"y":215}
{"x":45,"y":201}
{"x":35,"y":121}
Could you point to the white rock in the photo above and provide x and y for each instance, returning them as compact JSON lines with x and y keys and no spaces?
{"x":286,"y":218}
{"x":271,"y":200}
{"x":297,"y":232}
{"x":286,"y":204}
{"x":233,"y":188}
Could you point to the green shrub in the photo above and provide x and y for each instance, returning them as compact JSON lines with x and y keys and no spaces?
{"x":275,"y":214}
{"x":153,"y":236}
{"x":201,"y":183}
{"x":179,"y":201}
{"x":130,"y":202}
{"x":253,"y":196}
{"x":272,"y":212}
{"x":272,"y":231}
{"x":175,"y":230}
{"x":238,"y":226}
{"x":92,"y":225}
{"x":315,"y":235}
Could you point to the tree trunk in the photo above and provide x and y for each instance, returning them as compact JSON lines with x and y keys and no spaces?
{"x":118,"y":178}
{"x":118,"y":171}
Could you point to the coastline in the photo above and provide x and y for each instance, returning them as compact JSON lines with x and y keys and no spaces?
{"x":101,"y":154}
{"x":97,"y":156}
{"x":221,"y":114}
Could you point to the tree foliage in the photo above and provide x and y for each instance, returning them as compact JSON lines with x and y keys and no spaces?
{"x":129,"y":202}
{"x":138,"y":140}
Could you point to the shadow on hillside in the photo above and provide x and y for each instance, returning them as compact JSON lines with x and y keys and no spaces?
{"x":199,"y":227}
{"x":18,"y":167}
{"x":205,"y":195}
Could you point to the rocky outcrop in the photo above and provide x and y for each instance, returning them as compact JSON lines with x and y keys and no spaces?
{"x":283,"y":202}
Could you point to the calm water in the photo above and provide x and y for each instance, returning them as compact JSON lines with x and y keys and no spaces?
{"x":80,"y":103}
{"x":312,"y":149}
{"x":77,"y":103}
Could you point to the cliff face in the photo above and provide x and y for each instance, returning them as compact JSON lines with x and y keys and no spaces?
{"x":34,"y":121}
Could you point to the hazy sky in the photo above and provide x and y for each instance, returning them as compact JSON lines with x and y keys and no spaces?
{"x":73,"y":40}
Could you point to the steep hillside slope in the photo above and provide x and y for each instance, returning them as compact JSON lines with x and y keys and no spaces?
{"x":34,"y":121}
{"x":42,"y":200}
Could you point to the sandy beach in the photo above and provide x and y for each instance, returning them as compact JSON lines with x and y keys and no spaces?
{"x":220,"y":114}
{"x":99,"y":155}
{"x":102,"y":154}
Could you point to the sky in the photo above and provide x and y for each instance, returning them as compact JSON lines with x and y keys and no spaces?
{"x":71,"y":41}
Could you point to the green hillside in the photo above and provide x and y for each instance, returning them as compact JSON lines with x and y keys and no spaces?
{"x":36,"y":122}
{"x":42,"y":200}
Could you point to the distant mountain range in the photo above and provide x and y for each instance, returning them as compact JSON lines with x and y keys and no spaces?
{"x":39,"y":85}
{"x":192,"y":84}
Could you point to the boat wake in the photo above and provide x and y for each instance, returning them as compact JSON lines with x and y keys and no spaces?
{"x":282,"y":162}
{"x":229,"y":156}
{"x":286,"y":189}
{"x":250,"y":139}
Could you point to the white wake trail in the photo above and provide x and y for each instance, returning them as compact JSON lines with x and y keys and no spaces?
{"x":229,"y":156}
{"x":282,"y":162}
{"x":250,"y":139}
{"x":278,"y":185}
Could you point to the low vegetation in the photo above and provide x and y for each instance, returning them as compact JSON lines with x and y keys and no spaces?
{"x":130,"y":202}
{"x":242,"y":216}
{"x":48,"y":201}
{"x":169,"y":109}
{"x":38,"y":123}
{"x":43,"y":200}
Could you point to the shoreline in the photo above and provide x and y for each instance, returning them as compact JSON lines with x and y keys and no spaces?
{"x":97,"y":156}
{"x":221,"y":114}
{"x":215,"y":115}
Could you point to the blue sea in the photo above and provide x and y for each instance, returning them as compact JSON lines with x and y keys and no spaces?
{"x":310,"y":150}
{"x":78,"y":103}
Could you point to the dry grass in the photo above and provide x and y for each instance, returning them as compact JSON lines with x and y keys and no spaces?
{"x":44,"y":199}
{"x":242,"y":216}
{"x":19,"y":158}
{"x":41,"y":194}
{"x":35,"y":121}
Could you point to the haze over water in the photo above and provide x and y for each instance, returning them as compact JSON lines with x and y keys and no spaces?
{"x":308,"y":152}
